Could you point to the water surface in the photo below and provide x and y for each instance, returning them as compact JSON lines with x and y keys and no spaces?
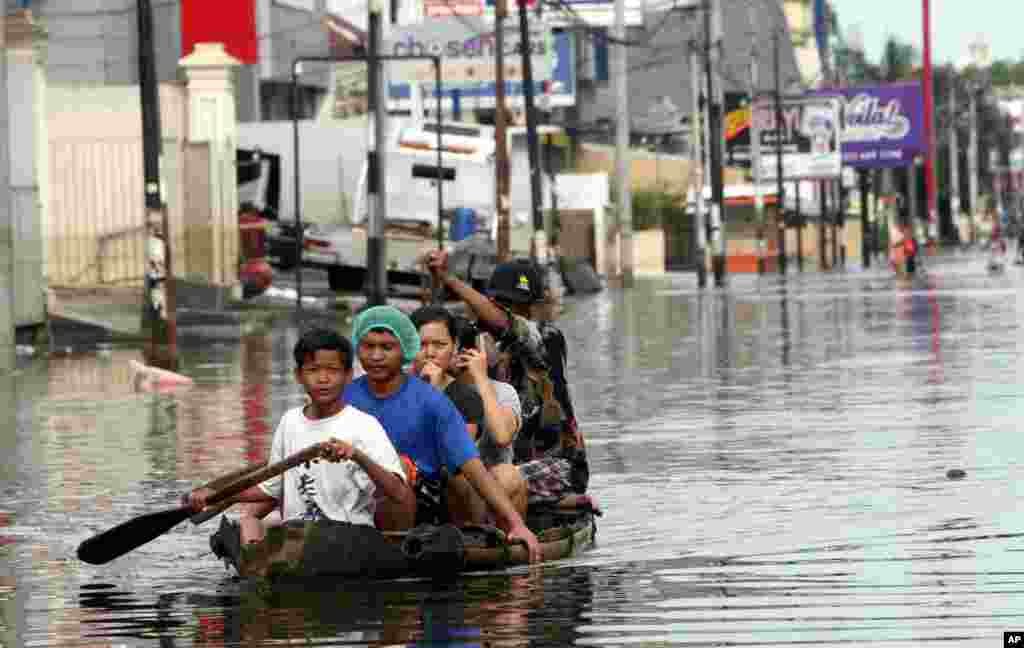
{"x":772,"y":459}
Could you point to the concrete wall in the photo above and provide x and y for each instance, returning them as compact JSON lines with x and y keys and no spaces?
{"x":741,"y":242}
{"x":648,"y":171}
{"x":96,"y":199}
{"x":649,"y":253}
{"x":96,"y":41}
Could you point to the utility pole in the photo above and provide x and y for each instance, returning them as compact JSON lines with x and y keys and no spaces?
{"x":997,"y":185}
{"x":799,"y":227}
{"x":501,"y":165}
{"x":549,"y":164}
{"x":376,"y":191}
{"x":755,"y":145}
{"x":865,"y":235}
{"x":623,"y":163}
{"x":954,"y":158}
{"x":158,"y":304}
{"x":972,"y":163}
{"x":715,"y":145}
{"x":929,"y":121}
{"x":822,"y":215}
{"x":912,"y":199}
{"x":539,"y":248}
{"x":7,"y":339}
{"x":838,"y":247}
{"x":781,"y":186}
{"x":697,"y":172}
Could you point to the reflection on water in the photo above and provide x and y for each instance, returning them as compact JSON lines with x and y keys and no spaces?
{"x":772,"y":459}
{"x":539,"y":608}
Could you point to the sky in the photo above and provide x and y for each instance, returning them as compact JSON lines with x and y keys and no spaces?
{"x":955,"y":23}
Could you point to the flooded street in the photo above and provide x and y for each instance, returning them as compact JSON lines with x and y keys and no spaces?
{"x":774,"y":462}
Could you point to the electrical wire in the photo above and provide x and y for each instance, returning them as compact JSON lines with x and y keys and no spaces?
{"x":659,"y":54}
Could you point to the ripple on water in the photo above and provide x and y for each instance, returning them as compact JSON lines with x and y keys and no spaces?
{"x":774,"y":463}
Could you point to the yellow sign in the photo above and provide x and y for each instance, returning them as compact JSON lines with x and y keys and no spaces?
{"x":736,"y":122}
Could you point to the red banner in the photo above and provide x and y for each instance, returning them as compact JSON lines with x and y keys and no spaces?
{"x":232,"y":22}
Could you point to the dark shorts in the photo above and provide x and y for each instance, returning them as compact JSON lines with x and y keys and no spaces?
{"x":431,"y":503}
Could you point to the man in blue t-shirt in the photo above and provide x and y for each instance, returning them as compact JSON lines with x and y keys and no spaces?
{"x":423,"y":425}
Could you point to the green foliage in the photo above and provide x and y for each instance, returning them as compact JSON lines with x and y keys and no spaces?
{"x":898,"y":60}
{"x":1007,"y":73}
{"x":652,"y":208}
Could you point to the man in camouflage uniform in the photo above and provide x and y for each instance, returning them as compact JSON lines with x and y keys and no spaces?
{"x":531,"y":356}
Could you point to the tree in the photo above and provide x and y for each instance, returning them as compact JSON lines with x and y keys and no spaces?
{"x":898,"y":60}
{"x":1001,"y":73}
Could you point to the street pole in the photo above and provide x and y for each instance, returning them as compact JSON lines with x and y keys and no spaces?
{"x":158,"y":304}
{"x":838,"y":225}
{"x":823,"y":206}
{"x":706,"y":152}
{"x":715,"y":145}
{"x":912,"y":197}
{"x":954,"y":159}
{"x":972,"y":164}
{"x":549,"y":164}
{"x":997,"y":185}
{"x":697,"y":173}
{"x":799,"y":227}
{"x":501,"y":165}
{"x":929,"y":123}
{"x":7,"y":338}
{"x":376,"y":191}
{"x":623,"y":162}
{"x":755,"y":148}
{"x":538,"y":250}
{"x":781,"y":187}
{"x":865,"y":238}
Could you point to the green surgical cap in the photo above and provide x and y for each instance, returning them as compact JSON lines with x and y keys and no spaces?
{"x":390,"y":319}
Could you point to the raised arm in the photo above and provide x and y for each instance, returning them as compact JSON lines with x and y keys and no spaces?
{"x":486,"y":310}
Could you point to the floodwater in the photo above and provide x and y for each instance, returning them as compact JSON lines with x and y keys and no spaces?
{"x":773,"y":460}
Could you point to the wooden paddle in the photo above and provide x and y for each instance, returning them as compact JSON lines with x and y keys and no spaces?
{"x":226,"y":480}
{"x":136,"y":532}
{"x":217,"y":484}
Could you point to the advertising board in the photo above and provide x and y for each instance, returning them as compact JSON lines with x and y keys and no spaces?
{"x":808,"y":136}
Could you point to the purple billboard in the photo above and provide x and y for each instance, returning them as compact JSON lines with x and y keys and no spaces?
{"x":883,"y":125}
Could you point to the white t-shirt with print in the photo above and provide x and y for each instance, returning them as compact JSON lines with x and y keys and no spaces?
{"x":340,"y":491}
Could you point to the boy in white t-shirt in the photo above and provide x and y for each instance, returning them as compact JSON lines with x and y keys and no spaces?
{"x":343,"y":491}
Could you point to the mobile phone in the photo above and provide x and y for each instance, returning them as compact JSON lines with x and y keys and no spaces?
{"x":468,"y":336}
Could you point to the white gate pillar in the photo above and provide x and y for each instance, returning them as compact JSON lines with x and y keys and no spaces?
{"x":209,"y":74}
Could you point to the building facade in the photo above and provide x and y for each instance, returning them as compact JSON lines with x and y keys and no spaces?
{"x":96,"y":42}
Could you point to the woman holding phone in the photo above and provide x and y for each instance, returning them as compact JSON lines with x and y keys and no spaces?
{"x":433,"y":364}
{"x":455,"y":360}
